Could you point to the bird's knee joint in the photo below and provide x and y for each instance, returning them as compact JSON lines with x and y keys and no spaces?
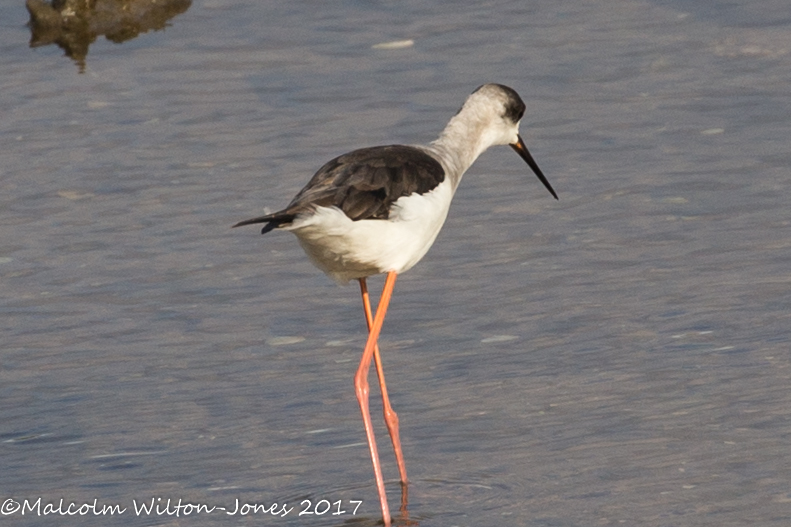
{"x":361,"y":389}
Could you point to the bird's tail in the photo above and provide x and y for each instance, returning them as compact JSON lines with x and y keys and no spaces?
{"x":273,"y":221}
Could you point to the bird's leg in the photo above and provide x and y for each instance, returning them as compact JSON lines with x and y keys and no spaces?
{"x":391,"y":418}
{"x":362,"y":389}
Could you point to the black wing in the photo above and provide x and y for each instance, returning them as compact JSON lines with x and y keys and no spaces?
{"x":363,"y":184}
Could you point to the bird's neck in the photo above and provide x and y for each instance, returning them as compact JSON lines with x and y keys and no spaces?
{"x":460,"y":144}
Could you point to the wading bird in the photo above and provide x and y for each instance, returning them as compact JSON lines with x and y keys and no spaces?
{"x":378,"y":210}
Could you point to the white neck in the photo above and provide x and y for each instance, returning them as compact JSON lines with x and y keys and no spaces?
{"x":461,"y":142}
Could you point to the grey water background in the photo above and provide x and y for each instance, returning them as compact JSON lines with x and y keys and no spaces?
{"x":619,"y":357}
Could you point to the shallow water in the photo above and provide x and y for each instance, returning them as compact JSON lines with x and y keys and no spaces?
{"x":619,"y":357}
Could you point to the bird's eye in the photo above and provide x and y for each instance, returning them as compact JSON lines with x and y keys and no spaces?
{"x":513,"y":112}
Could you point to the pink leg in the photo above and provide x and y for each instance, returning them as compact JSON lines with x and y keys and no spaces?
{"x":362,"y":389}
{"x":391,"y":418}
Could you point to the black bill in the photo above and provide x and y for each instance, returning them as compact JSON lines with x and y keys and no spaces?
{"x":524,"y":153}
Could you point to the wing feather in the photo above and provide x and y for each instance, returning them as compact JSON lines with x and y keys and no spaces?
{"x":363,"y":184}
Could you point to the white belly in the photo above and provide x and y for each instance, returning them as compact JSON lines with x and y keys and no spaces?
{"x":346,"y":249}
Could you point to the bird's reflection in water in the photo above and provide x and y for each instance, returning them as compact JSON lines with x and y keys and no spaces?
{"x":75,"y":24}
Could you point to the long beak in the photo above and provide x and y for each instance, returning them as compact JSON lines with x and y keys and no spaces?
{"x":524,"y":153}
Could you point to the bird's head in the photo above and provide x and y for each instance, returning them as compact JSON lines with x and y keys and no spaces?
{"x":498,"y":110}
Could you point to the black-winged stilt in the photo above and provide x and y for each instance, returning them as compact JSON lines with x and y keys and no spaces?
{"x":378,"y":210}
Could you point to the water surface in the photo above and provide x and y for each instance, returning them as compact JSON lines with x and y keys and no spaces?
{"x":619,"y":357}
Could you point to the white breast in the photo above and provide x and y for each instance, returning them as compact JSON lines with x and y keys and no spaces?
{"x":346,"y":249}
